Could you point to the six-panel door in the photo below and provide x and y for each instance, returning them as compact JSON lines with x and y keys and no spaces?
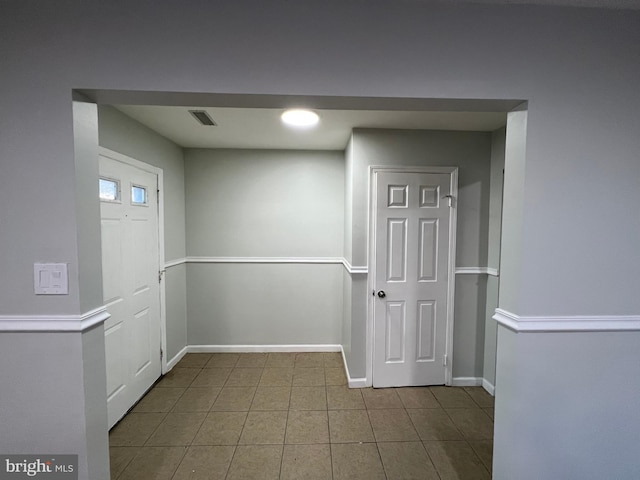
{"x":412,"y":220}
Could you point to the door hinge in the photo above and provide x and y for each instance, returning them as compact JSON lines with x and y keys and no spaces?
{"x":161,"y":354}
{"x":444,"y":360}
{"x":160,"y":275}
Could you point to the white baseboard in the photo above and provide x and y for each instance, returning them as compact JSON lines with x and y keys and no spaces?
{"x":352,"y":382}
{"x":466,"y":382}
{"x":261,"y":348}
{"x":172,"y":363}
{"x":489,"y":387}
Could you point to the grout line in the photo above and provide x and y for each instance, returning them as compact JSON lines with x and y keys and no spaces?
{"x":286,"y":426}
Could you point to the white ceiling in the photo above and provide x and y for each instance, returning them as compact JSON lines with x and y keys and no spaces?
{"x":262,"y":128}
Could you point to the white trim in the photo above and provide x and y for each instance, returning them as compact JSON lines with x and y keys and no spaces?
{"x":371,"y":242}
{"x":489,"y":387}
{"x":53,"y":323}
{"x":351,"y":269}
{"x":466,"y":382}
{"x":175,"y":263}
{"x":105,"y":152}
{"x":572,"y":323}
{"x":172,"y":363}
{"x":299,"y":260}
{"x":477,"y":271}
{"x":352,"y":382}
{"x":303,"y":260}
{"x":261,"y":348}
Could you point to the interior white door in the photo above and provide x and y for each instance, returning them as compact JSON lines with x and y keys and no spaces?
{"x":412,"y":277}
{"x":130,"y":266}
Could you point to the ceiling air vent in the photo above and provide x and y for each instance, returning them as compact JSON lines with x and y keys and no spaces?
{"x":203,"y":117}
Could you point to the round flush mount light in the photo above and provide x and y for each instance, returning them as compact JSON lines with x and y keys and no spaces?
{"x":300,"y":118}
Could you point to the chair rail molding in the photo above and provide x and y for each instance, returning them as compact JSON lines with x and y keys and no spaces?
{"x":54,"y":323}
{"x":569,"y":323}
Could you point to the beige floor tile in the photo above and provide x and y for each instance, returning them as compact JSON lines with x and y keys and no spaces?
{"x":484,"y":450}
{"x":392,"y":425}
{"x":271,"y":398}
{"x":159,"y":400}
{"x":179,"y":377}
{"x":434,"y":424}
{"x":479,"y":395}
{"x":473,"y":423}
{"x":333,"y":359}
{"x":308,"y":462}
{"x":309,"y":359}
{"x":489,"y":412}
{"x":453,"y":397}
{"x":307,"y":377}
{"x":252,"y":462}
{"x":343,"y":398}
{"x":154,"y":463}
{"x":205,"y":463}
{"x":263,"y":428}
{"x":177,"y":429}
{"x":335,"y":376}
{"x":244,"y":377}
{"x":221,"y":428}
{"x":308,"y":398}
{"x":252,"y":360}
{"x":276,"y":377}
{"x":194,"y":360}
{"x":135,"y":429}
{"x":234,"y":399}
{"x":223,"y":360}
{"x":281,"y":359}
{"x":211,"y":377}
{"x":417,"y":397}
{"x":456,"y":460}
{"x":198,"y":399}
{"x":119,"y":458}
{"x":347,"y":426}
{"x":307,"y":426}
{"x":356,"y":461}
{"x":407,"y":461}
{"x":381,"y":398}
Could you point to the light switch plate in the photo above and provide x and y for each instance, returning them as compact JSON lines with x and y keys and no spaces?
{"x":50,"y":279}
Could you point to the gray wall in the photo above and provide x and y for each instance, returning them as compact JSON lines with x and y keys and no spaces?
{"x":577,"y":68}
{"x":264,"y":203}
{"x":586,"y":434}
{"x":124,"y":135}
{"x":493,"y":253}
{"x":471,"y":153}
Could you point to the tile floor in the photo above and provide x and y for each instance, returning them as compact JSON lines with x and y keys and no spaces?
{"x":291,"y":416}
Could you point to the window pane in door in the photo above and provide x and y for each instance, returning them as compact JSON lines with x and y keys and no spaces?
{"x":138,"y":195}
{"x":108,"y":189}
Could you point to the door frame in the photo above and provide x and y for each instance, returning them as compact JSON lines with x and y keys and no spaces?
{"x":105,"y":152}
{"x":371,"y":243}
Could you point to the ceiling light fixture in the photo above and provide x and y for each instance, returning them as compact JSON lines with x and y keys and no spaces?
{"x":300,"y":118}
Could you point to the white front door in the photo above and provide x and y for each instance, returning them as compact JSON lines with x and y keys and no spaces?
{"x":413,"y":276}
{"x":130,"y":266}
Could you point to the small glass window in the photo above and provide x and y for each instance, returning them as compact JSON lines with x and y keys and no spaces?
{"x":138,"y":195}
{"x":109,"y":189}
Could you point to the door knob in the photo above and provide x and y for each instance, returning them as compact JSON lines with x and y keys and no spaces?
{"x":381,"y":294}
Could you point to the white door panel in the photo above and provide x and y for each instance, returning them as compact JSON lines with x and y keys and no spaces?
{"x":412,"y":277}
{"x":130,"y":266}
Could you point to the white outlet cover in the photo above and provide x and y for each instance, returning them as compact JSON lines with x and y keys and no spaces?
{"x":50,"y":279}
